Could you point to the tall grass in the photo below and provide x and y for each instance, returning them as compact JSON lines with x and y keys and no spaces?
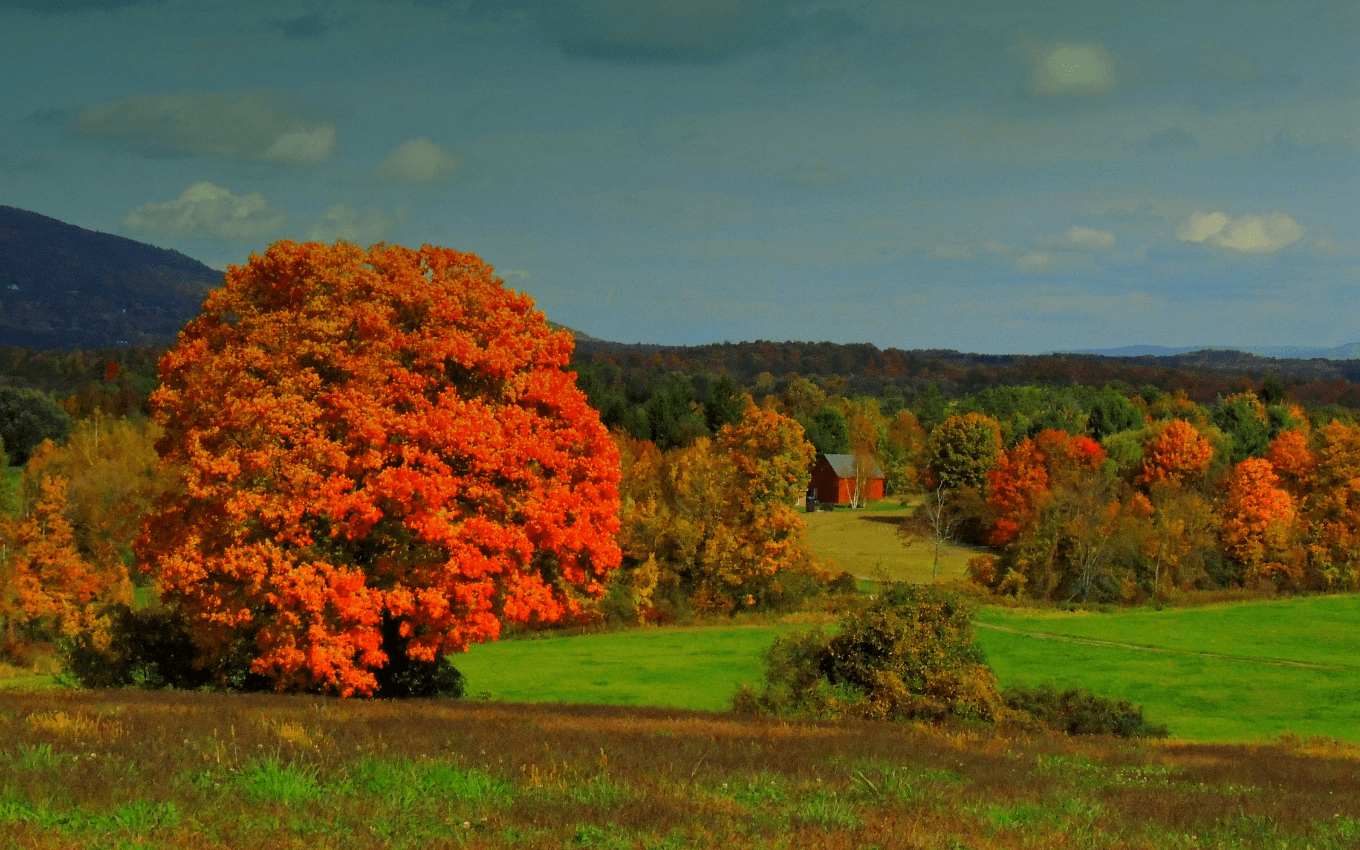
{"x":195,"y":770}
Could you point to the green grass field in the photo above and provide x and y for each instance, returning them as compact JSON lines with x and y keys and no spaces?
{"x":695,"y":668}
{"x":865,"y":540}
{"x":1222,"y":672}
{"x":1201,"y":698}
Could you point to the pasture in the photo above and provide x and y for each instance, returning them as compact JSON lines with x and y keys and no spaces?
{"x":1247,"y":690}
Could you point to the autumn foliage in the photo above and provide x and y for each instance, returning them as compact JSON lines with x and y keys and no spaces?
{"x":1176,"y":454}
{"x":1258,"y":523}
{"x":44,"y":582}
{"x":380,"y":454}
{"x":714,"y":522}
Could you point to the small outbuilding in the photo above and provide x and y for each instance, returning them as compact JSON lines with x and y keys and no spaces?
{"x":834,"y":480}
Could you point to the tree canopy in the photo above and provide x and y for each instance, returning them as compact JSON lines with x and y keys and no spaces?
{"x":381,"y":454}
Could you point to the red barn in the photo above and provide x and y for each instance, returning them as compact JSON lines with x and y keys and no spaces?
{"x":833,"y":479}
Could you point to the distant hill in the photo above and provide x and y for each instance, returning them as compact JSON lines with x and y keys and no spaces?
{"x":1283,"y":352}
{"x":62,"y":286}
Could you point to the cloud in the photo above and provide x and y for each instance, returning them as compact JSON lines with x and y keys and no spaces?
{"x":342,"y":222}
{"x":1072,"y":69}
{"x":1083,"y":239}
{"x":258,"y":125}
{"x":1035,"y":261}
{"x":1249,"y":234}
{"x":206,"y":209}
{"x":418,"y":161}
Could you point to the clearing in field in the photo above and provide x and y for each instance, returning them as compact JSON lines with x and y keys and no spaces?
{"x":864,"y":541}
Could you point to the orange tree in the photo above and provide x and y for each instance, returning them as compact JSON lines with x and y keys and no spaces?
{"x":383,"y":460}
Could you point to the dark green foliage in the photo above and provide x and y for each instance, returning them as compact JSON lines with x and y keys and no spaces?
{"x":724,"y":403}
{"x":827,"y":431}
{"x":671,"y":415}
{"x":1272,"y":391}
{"x":1111,"y":413}
{"x":27,"y":417}
{"x":907,"y":655}
{"x":1280,"y":419}
{"x":147,"y":648}
{"x":1080,"y":712}
{"x":1237,"y":419}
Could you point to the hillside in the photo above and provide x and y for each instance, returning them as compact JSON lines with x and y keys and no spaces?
{"x":62,"y":286}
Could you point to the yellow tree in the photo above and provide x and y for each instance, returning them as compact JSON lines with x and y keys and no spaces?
{"x":43,"y":579}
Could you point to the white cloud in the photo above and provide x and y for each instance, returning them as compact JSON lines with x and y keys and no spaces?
{"x":206,"y":209}
{"x":1035,"y":261}
{"x":418,"y":161}
{"x":303,"y":147}
{"x":1084,"y":239}
{"x":1249,"y":234}
{"x":257,"y":125}
{"x":342,"y":222}
{"x":1067,"y":69}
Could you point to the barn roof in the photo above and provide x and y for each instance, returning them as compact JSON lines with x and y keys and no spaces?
{"x":844,"y":466}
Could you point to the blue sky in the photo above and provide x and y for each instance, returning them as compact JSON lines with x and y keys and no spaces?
{"x":1008,"y":177}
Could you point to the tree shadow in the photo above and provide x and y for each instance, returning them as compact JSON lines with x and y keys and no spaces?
{"x":886,"y":520}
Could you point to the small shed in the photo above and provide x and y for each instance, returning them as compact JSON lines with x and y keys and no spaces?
{"x":833,"y":479}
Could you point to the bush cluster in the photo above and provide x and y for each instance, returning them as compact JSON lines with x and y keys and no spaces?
{"x":1079,"y":712}
{"x":907,"y":655}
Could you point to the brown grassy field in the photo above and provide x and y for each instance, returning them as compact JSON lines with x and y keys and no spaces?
{"x":863,"y":541}
{"x":189,"y":770}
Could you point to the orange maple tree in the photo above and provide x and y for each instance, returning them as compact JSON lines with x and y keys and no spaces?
{"x":1178,"y":453}
{"x":1258,"y":522}
{"x":1025,"y":475}
{"x":381,"y":454}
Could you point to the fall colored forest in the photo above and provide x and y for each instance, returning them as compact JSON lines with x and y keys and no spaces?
{"x":286,"y":487}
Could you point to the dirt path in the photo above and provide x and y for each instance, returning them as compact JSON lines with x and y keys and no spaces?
{"x":1278,"y":662}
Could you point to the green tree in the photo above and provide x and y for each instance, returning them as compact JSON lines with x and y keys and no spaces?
{"x":724,"y":404}
{"x":962,"y":449}
{"x":1243,"y":418}
{"x":1111,"y":413}
{"x":827,"y":430}
{"x":27,"y":417}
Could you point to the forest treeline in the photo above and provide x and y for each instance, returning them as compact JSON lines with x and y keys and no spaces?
{"x":1096,"y":481}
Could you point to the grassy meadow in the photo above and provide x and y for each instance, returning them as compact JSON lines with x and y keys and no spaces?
{"x":133,"y":769}
{"x":865,"y":541}
{"x":695,"y":668}
{"x":1256,"y":694}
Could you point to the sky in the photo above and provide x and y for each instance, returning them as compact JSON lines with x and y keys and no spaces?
{"x":999,"y":176}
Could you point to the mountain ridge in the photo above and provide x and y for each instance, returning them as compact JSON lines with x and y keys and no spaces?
{"x":62,"y":286}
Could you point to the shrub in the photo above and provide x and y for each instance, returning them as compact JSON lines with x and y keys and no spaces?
{"x":144,"y":648}
{"x":907,"y":655}
{"x":1080,"y":712}
{"x":151,"y":648}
